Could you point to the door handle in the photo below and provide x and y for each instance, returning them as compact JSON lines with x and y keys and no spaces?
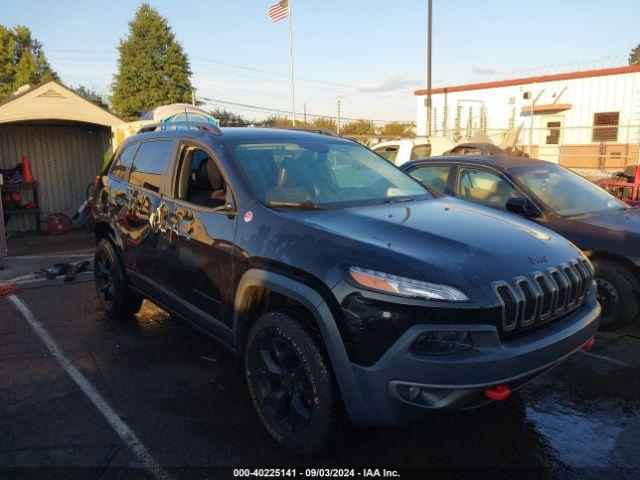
{"x":157,"y":219}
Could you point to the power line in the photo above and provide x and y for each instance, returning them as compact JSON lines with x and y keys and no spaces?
{"x":286,"y":112}
{"x":226,"y":64}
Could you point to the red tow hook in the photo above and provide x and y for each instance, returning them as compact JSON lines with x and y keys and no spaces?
{"x":499,"y":392}
{"x":589,"y":344}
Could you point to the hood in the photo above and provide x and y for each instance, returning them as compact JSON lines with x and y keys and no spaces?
{"x":443,"y":240}
{"x":624,"y":220}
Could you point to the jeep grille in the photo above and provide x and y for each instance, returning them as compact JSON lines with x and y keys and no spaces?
{"x":543,"y":296}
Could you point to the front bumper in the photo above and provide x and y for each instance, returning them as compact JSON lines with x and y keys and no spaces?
{"x":457,"y":381}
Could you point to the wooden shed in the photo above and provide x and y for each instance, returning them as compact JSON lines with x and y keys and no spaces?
{"x":64,"y":136}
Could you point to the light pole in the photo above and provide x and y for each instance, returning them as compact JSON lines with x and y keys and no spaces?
{"x":428,"y":105}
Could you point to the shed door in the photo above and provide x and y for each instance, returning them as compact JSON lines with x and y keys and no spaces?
{"x":550,"y":137}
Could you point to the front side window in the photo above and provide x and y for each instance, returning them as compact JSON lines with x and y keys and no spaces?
{"x":326,"y":172}
{"x":122,"y":163}
{"x":563,"y":191}
{"x":390,"y":152}
{"x":150,"y":164}
{"x":200,"y":181}
{"x":484,"y":188}
{"x":434,"y":176}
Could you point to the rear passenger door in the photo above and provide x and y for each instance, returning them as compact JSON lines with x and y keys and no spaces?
{"x":141,"y":227}
{"x":435,"y":177}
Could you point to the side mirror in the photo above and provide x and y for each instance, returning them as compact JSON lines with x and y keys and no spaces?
{"x":521,"y":206}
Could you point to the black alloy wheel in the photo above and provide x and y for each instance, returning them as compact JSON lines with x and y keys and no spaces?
{"x":282,"y":384}
{"x":112,"y":287}
{"x":291,"y":384}
{"x":104,"y":277}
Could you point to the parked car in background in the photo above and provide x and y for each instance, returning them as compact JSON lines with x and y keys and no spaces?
{"x":402,"y":150}
{"x":345,"y":288}
{"x":606,"y":229}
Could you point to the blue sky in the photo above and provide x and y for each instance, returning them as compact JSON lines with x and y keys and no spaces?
{"x":370,"y":54}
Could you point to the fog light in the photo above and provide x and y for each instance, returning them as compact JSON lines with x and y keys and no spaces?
{"x":441,"y":343}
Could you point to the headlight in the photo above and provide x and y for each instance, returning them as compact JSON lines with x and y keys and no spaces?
{"x":406,"y":287}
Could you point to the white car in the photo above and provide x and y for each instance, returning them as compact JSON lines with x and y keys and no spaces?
{"x":404,"y":149}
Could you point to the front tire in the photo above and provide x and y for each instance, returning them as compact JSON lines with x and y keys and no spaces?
{"x":616,"y":293}
{"x":291,"y":386}
{"x":114,"y":294}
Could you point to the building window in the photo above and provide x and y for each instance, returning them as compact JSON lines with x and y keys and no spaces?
{"x":553,"y":133}
{"x":605,"y":127}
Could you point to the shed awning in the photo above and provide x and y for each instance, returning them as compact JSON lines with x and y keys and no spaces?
{"x":53,"y":101}
{"x":548,"y":108}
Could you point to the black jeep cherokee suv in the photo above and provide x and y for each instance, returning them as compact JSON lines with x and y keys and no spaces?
{"x":345,"y":287}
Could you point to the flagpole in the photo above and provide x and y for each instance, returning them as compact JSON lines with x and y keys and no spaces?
{"x":293,"y":102}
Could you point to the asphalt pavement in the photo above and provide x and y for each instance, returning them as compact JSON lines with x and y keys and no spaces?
{"x":185,"y":412}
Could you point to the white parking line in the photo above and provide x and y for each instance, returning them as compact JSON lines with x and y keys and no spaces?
{"x":122,"y":429}
{"x":606,"y":359}
{"x":50,"y":255}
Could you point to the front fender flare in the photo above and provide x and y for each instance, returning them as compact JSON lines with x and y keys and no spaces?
{"x":312,"y":301}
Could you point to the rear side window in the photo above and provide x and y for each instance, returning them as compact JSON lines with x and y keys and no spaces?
{"x":435,"y":177}
{"x":120,"y":166}
{"x":150,"y":164}
{"x":390,"y":152}
{"x":420,"y":151}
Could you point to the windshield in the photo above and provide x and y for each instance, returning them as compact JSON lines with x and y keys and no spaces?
{"x":322,"y":172}
{"x":563,"y":191}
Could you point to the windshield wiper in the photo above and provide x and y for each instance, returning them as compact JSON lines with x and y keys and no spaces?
{"x":398,"y":200}
{"x":306,"y":205}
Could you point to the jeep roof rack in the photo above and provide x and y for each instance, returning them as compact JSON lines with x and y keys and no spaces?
{"x":320,"y":130}
{"x":209,"y":127}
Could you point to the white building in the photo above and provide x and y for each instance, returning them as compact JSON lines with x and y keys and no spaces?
{"x":587,"y":119}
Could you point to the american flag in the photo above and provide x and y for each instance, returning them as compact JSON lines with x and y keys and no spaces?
{"x":279,"y":10}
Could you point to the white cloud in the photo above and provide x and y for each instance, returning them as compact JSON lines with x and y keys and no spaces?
{"x":484,"y":70}
{"x":388,"y":85}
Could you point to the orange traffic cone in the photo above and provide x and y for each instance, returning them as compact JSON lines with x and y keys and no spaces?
{"x":27,"y":176}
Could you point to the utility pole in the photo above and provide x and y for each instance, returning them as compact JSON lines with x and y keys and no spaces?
{"x":293,"y":91}
{"x":193,"y":97}
{"x":338,"y":124}
{"x":305,"y":113}
{"x":428,"y":104}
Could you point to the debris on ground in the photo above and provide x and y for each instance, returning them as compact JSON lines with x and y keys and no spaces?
{"x":69,"y":270}
{"x":7,"y":288}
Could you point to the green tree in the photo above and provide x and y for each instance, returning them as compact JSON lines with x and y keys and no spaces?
{"x":153,"y":69}
{"x":358,"y":127}
{"x":397,"y":129}
{"x":228,"y":118}
{"x":328,"y":123}
{"x":634,"y":56}
{"x":26,"y":71}
{"x":92,"y":96}
{"x":22,"y":60}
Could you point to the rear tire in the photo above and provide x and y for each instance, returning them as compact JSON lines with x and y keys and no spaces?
{"x":291,"y":386}
{"x":617,"y":289}
{"x":112,"y":287}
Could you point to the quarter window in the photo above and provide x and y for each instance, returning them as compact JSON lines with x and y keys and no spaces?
{"x":605,"y":127}
{"x":150,"y":164}
{"x":485,"y":188}
{"x":120,"y":166}
{"x":435,"y":177}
